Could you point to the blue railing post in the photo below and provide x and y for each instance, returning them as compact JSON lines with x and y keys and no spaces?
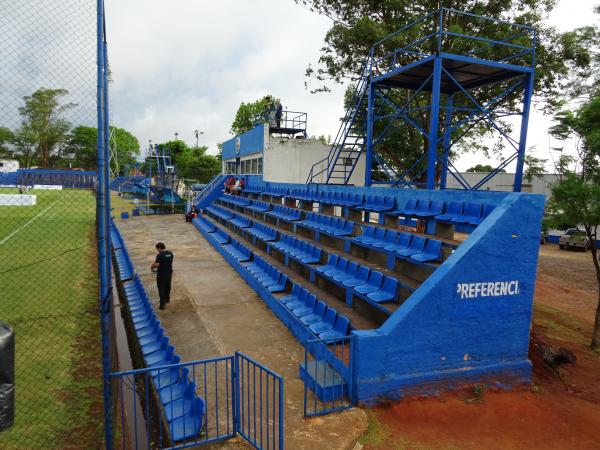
{"x":528,"y":85}
{"x":369,"y":143}
{"x":434,"y":122}
{"x":102,"y":222}
{"x":447,"y":141}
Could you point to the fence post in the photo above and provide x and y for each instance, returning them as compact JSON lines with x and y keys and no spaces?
{"x":235,"y":404}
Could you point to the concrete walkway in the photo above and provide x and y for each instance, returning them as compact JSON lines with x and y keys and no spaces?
{"x":213,"y":312}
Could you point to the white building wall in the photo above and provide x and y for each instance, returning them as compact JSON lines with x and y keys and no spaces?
{"x":9,"y":165}
{"x":290,"y":160}
{"x":504,"y":182}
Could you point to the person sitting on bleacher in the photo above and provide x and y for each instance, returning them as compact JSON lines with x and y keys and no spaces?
{"x":191,"y":215}
{"x":236,"y":188}
{"x":228,"y":184}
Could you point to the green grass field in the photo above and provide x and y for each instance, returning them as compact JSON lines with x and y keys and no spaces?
{"x":48,"y":294}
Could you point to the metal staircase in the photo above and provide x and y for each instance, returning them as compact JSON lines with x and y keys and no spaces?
{"x":349,"y":143}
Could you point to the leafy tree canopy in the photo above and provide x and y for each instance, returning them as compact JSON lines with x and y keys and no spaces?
{"x":249,"y":114}
{"x":482,"y":168}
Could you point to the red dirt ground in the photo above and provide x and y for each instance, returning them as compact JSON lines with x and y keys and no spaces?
{"x":561,"y":410}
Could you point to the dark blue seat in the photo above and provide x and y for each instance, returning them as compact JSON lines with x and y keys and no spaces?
{"x":293,"y":296}
{"x":431,"y":252}
{"x":340,"y":329}
{"x":349,"y":272}
{"x":454,"y":211}
{"x":190,"y":425}
{"x":472,"y":212}
{"x":361,"y":277}
{"x":388,"y":291}
{"x":316,"y":316}
{"x":406,"y":209}
{"x":487,"y":210}
{"x":308,"y":307}
{"x":388,"y":239}
{"x":417,"y":245}
{"x":367,"y":233}
{"x":373,"y":284}
{"x":326,"y":324}
{"x":299,"y":302}
{"x":339,"y":269}
{"x":331,"y":262}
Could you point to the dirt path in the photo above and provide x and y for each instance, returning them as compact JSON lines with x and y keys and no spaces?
{"x":560,"y":411}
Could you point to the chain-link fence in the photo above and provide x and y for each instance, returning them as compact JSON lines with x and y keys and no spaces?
{"x":49,"y":264}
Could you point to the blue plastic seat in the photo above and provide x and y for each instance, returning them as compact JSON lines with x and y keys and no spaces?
{"x":388,"y":239}
{"x":174,"y":391}
{"x":326,"y":324}
{"x":308,"y":308}
{"x":296,"y":288}
{"x":487,"y":210}
{"x":378,"y":235}
{"x":454,"y":211}
{"x":387,"y":292}
{"x":435,"y":208}
{"x":317,"y":314}
{"x":349,"y":272}
{"x":361,"y":277}
{"x":472,"y":212}
{"x":430,"y":253}
{"x":367,"y":233}
{"x":331,"y":262}
{"x":300,"y":300}
{"x":190,"y":425}
{"x":182,"y":406}
{"x":373,"y":284}
{"x":340,"y":268}
{"x":340,"y":329}
{"x":417,"y":245}
{"x":279,"y":285}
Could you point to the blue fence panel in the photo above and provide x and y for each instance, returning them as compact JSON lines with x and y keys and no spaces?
{"x":259,"y":404}
{"x":328,"y":373}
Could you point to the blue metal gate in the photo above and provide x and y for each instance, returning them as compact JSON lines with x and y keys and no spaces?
{"x":329,"y":376}
{"x":200,"y":402}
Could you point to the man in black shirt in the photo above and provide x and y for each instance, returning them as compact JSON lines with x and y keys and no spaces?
{"x":163,"y":265}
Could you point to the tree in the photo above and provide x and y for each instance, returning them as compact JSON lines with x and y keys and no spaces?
{"x":534,"y":167}
{"x":577,"y":201}
{"x":43,"y":121}
{"x":483,"y":168}
{"x":24,"y":146}
{"x":359,"y":24}
{"x":193,"y":163}
{"x":249,"y":114}
{"x":6,"y":137}
{"x":576,"y":197}
{"x":80,"y":149}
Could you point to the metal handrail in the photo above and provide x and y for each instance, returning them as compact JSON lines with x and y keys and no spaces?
{"x":209,"y":187}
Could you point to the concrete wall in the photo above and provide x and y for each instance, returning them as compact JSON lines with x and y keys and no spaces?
{"x":504,"y":182}
{"x":290,"y":160}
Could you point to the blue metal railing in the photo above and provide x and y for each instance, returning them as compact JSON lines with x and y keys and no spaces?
{"x":237,"y":396}
{"x":259,"y":401}
{"x":290,"y":120}
{"x":217,"y":179}
{"x":450,"y":30}
{"x":328,"y":372}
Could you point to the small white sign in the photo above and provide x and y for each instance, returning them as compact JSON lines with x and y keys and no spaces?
{"x":488,"y":289}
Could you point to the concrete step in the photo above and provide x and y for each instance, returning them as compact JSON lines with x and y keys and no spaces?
{"x":321,"y":378}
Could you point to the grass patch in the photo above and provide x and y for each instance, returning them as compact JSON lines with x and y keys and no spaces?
{"x":48,"y":280}
{"x":376,"y":432}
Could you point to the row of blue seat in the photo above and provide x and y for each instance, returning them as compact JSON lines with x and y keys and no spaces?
{"x":115,"y":238}
{"x":371,"y":283}
{"x":221,"y":213}
{"x":416,"y":247}
{"x":276,"y":192}
{"x":301,"y":250}
{"x":124,"y":264}
{"x":331,"y":225}
{"x":458,"y":212}
{"x":267,"y":275}
{"x":184,"y":410}
{"x":238,"y":251}
{"x":320,"y":319}
{"x":255,"y":188}
{"x":258,"y":206}
{"x":235,"y":200}
{"x":262,"y":232}
{"x":240,"y":221}
{"x":285,"y":213}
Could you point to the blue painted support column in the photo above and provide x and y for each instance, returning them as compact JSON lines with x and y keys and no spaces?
{"x":447,"y":141}
{"x":369,"y":146}
{"x":434,"y":122}
{"x":528,"y":85}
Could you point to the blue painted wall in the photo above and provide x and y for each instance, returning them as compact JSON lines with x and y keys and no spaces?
{"x":251,"y":141}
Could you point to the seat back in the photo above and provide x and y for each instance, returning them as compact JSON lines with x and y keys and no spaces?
{"x":390,"y":285}
{"x":487,"y":210}
{"x":375,"y":279}
{"x":455,"y":209}
{"x":341,"y":324}
{"x":320,"y":309}
{"x":362,"y":273}
{"x":434,"y":248}
{"x":330,"y":316}
{"x":379,"y":234}
{"x":410,"y":205}
{"x":472,"y":210}
{"x":418,"y":243}
{"x":436,"y":208}
{"x":342,"y":264}
{"x":351,"y":268}
{"x":422,"y":206}
{"x":311,"y":301}
{"x":391,"y":236}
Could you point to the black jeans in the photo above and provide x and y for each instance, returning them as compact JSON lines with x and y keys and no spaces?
{"x":164,"y":288}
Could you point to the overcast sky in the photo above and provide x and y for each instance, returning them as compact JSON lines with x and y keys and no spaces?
{"x":183,"y":65}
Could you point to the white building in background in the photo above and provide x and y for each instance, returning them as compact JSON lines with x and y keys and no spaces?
{"x":8,"y":165}
{"x":504,"y":182}
{"x":279,"y":158}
